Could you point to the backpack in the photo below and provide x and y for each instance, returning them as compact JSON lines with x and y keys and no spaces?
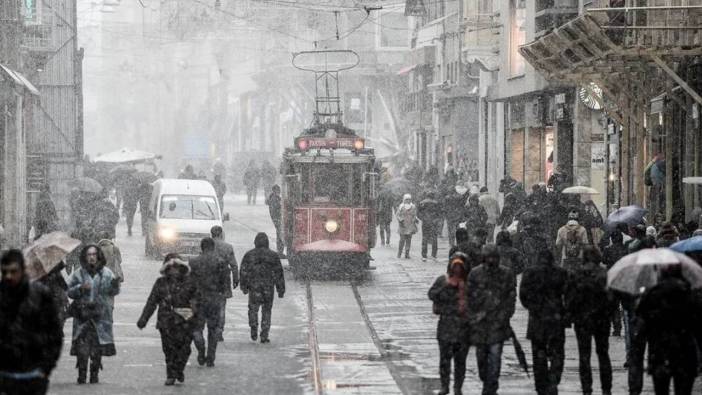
{"x":573,"y":246}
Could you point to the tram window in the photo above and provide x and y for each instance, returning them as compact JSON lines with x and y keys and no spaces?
{"x":331,"y":183}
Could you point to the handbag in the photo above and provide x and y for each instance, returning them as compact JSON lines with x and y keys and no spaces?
{"x":186,"y":313}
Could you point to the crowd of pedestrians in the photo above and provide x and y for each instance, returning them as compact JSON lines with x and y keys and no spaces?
{"x":548,"y":247}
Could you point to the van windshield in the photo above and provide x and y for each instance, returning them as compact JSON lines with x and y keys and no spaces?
{"x":189,"y":207}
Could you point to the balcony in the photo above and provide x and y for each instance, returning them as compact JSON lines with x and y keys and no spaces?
{"x":38,"y":38}
{"x":417,"y":101}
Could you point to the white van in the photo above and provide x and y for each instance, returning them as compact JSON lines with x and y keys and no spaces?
{"x":181,"y":213}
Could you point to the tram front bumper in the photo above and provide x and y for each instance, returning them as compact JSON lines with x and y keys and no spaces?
{"x":331,"y":245}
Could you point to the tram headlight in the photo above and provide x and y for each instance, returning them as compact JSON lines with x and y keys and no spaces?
{"x":358,"y":145}
{"x":331,"y":226}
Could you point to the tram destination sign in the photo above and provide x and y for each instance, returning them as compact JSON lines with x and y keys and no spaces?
{"x":305,"y":143}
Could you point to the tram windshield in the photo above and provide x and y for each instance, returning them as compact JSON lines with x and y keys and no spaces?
{"x":332,"y":183}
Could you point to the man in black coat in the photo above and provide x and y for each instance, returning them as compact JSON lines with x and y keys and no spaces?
{"x":430,"y":214}
{"x":492,"y":295}
{"x":610,"y":255}
{"x":212,"y":277}
{"x":261,"y":274}
{"x":542,"y":292}
{"x":225,"y":252}
{"x":275,"y":209}
{"x":474,"y":214}
{"x":31,"y":334}
{"x":589,"y":305}
{"x":671,"y":327}
{"x":453,"y":203}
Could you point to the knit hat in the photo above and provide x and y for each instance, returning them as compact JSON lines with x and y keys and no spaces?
{"x":651,"y":231}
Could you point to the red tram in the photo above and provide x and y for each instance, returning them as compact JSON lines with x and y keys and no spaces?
{"x":329,"y":188}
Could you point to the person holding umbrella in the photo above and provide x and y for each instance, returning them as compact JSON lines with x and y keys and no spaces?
{"x":671,"y":328}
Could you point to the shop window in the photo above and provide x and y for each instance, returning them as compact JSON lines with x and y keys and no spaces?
{"x":31,"y":12}
{"x":517,"y":36}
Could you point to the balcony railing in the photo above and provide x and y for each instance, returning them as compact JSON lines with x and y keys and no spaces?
{"x":38,"y":38}
{"x":650,"y":23}
{"x":417,"y":101}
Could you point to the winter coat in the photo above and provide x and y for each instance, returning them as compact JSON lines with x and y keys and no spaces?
{"x":211,"y":275}
{"x":251,"y":176}
{"x":492,"y":295}
{"x":491,"y":206}
{"x":588,"y":302}
{"x":113,"y":258}
{"x":475,"y":216}
{"x":542,"y":292}
{"x":104,"y":217}
{"x":386,"y":203}
{"x":31,"y":334}
{"x":430,"y":213}
{"x":670,"y":325}
{"x":268,"y":175}
{"x":220,"y":189}
{"x":169,"y":293}
{"x":612,"y":253}
{"x":531,"y":243}
{"x":275,"y":207}
{"x":261,"y":272}
{"x":570,"y":230}
{"x":407,"y":218}
{"x":452,"y":326}
{"x":102,"y":294}
{"x":45,"y":217}
{"x":57,"y":286}
{"x":511,"y":258}
{"x":453,"y":206}
{"x":225,"y":252}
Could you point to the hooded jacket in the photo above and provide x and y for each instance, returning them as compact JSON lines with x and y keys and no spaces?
{"x":113,"y":257}
{"x":542,"y":292}
{"x":492,"y":295}
{"x":261,"y":271}
{"x":168,"y":293}
{"x":562,"y":237}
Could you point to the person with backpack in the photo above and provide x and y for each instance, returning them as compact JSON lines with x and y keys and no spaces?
{"x":589,"y":305}
{"x":113,"y":255}
{"x":448,"y":294}
{"x":431,"y":215}
{"x":570,"y":241}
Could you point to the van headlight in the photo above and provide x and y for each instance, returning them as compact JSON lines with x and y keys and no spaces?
{"x":166,"y":234}
{"x":331,"y":226}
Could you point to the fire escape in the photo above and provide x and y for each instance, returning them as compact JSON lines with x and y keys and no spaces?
{"x":625,"y":53}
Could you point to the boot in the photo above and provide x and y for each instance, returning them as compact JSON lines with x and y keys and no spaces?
{"x":95,"y":365}
{"x":444,"y":390}
{"x":82,"y":373}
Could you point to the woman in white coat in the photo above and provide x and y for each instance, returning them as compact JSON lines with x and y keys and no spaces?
{"x":407,"y":218}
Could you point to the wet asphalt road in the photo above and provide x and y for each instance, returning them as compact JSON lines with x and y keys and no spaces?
{"x":375,"y":337}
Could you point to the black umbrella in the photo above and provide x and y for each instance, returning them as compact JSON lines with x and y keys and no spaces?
{"x":521,"y":357}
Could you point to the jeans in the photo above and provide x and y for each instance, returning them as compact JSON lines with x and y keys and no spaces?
{"x":175,"y":343}
{"x":265,"y":305}
{"x":617,"y":320}
{"x":429,"y":236}
{"x":209,"y":315}
{"x":405,"y":242}
{"x":451,"y":226}
{"x":222,"y":317}
{"x":683,"y":381}
{"x":458,"y":352}
{"x":635,"y":352}
{"x":548,"y":356}
{"x":384,"y":233}
{"x":490,"y":228}
{"x":584,"y":338}
{"x":489,"y":357}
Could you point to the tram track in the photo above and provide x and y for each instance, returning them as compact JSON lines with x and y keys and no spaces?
{"x":318,"y":377}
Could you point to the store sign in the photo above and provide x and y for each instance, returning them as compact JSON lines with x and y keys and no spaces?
{"x":415,"y":8}
{"x":36,"y":173}
{"x":598,"y":157}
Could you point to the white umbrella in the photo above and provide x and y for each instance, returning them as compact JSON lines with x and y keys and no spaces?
{"x":45,"y":253}
{"x":126,"y":155}
{"x":581,"y":190}
{"x":637,"y":272}
{"x":692,"y":180}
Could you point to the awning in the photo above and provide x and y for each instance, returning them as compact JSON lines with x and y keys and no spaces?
{"x":406,"y":69}
{"x":19,"y":79}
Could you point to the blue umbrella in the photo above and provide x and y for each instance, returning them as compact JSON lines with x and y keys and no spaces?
{"x":693,"y":244}
{"x":630,"y":215}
